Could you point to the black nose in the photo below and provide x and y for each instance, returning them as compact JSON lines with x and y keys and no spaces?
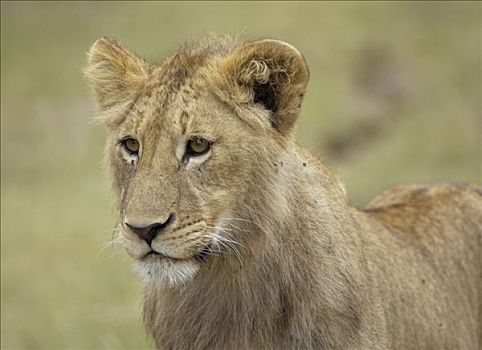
{"x":148,"y":233}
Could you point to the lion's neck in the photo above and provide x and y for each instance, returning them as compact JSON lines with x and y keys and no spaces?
{"x":283,"y":287}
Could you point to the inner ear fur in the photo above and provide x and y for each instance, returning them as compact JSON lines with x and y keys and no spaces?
{"x":114,"y":72}
{"x":270,"y":74}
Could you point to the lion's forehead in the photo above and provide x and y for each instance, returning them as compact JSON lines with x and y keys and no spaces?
{"x":174,"y":102}
{"x":176,"y":81}
{"x":165,"y":108}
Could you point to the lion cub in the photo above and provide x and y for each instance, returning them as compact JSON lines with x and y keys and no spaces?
{"x":246,"y":241}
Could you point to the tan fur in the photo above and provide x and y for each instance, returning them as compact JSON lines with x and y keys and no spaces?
{"x":292,"y":264}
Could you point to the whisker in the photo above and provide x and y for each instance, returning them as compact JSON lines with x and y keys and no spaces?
{"x":115,"y":239}
{"x":229,"y":245}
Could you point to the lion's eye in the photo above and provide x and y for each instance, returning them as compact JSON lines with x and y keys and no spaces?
{"x":197,"y":147}
{"x":131,"y":145}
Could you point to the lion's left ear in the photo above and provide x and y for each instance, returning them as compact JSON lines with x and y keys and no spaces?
{"x":270,"y":74}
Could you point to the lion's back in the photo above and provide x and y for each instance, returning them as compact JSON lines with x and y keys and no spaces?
{"x":425,"y":212}
{"x":435,"y":235}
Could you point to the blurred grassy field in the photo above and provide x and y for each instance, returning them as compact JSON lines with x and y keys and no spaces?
{"x":394,"y":97}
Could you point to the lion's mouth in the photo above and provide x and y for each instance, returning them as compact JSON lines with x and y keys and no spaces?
{"x":199,"y":257}
{"x":156,"y":255}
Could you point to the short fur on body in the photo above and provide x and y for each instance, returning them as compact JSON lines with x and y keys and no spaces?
{"x":262,"y":250}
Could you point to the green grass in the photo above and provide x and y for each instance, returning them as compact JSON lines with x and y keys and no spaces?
{"x":61,"y":287}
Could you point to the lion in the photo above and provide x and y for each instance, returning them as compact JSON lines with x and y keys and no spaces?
{"x":244,"y":240}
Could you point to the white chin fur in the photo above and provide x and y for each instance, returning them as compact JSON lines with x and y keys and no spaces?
{"x":166,"y":272}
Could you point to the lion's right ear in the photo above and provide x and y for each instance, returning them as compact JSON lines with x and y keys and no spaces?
{"x":114,"y":73}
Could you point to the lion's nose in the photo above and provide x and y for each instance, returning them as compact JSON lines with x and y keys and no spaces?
{"x":149,"y":232}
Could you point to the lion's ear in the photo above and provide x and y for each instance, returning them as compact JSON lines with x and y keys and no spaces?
{"x":270,"y":74}
{"x":114,"y":73}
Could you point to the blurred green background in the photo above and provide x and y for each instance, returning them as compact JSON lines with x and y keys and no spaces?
{"x":394,"y":97}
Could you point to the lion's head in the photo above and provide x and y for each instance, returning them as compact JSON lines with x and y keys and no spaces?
{"x":191,"y":140}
